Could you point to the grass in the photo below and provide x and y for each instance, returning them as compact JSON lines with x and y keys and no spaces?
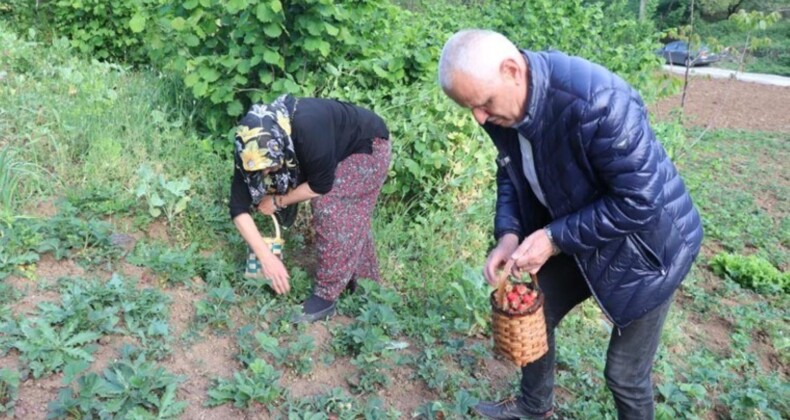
{"x":423,"y":333}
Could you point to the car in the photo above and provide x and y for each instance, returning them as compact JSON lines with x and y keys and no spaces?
{"x":677,"y":52}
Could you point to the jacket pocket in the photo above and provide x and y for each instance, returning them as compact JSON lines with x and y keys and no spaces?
{"x":647,"y":254}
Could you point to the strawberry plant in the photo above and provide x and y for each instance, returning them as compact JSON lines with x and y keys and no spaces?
{"x":257,"y":383}
{"x":298,"y":355}
{"x":215,"y":310}
{"x":46,"y":348}
{"x":171,"y":265}
{"x":131,"y":387}
{"x":337,"y":404}
{"x":9,"y":385}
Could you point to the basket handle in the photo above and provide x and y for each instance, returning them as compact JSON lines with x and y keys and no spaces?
{"x":505,"y":275}
{"x":276,"y":227}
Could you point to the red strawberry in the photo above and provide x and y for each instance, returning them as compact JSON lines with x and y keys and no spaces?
{"x":521,"y":289}
{"x":512,"y":297}
{"x":526,"y":299}
{"x":522,"y":308}
{"x":534,"y":294}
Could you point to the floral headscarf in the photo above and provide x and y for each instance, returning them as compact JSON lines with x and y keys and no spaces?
{"x":263,"y":141}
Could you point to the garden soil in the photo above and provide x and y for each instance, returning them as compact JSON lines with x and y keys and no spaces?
{"x":710,"y":103}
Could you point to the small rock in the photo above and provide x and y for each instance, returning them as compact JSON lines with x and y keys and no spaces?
{"x":123,"y":240}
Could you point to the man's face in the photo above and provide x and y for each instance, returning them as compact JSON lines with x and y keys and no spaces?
{"x":499,"y":101}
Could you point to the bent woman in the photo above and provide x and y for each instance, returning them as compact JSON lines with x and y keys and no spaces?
{"x":332,"y":153}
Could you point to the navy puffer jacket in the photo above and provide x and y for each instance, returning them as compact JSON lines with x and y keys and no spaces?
{"x":615,"y":201}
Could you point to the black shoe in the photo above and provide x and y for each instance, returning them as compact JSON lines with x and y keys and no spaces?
{"x":507,"y":409}
{"x":315,"y":309}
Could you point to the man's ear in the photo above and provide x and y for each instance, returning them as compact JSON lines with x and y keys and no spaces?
{"x":509,"y":70}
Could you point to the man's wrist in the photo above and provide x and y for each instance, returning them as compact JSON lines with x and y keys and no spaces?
{"x":555,"y":249}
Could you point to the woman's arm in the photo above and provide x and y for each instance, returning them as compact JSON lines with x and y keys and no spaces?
{"x":272,"y":267}
{"x":302,"y":192}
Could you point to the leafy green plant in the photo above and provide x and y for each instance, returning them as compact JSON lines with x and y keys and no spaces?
{"x":131,"y":387}
{"x":214,"y":311}
{"x":163,"y":196}
{"x":257,"y":383}
{"x":171,"y":265}
{"x":46,"y":348}
{"x":752,"y":272}
{"x":9,"y":387}
{"x":298,"y":355}
{"x":338,"y":404}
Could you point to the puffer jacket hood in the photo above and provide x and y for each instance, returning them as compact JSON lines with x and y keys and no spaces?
{"x":615,"y":200}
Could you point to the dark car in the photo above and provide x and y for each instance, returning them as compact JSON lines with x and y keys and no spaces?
{"x":677,"y":52}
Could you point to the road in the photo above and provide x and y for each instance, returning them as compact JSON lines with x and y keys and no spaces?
{"x":717,"y":73}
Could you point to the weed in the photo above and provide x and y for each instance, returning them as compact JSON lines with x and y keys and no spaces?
{"x":162,"y":196}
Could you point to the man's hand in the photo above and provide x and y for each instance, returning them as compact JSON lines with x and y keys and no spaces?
{"x":533,"y":252}
{"x":496,"y":259}
{"x":274,"y":270}
{"x":266,"y":206}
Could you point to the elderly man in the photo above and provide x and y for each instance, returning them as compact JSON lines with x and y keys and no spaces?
{"x":586,"y":196}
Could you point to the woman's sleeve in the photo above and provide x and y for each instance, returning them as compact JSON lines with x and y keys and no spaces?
{"x":240,"y":199}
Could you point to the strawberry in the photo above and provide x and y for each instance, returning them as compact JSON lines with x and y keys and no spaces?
{"x":522,"y":308}
{"x":512,"y":297}
{"x":534,"y":294}
{"x":521,"y":289}
{"x":526,"y":298}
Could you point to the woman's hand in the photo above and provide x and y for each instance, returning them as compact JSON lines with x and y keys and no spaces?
{"x":266,"y":206}
{"x":274,"y":269}
{"x":499,"y":256}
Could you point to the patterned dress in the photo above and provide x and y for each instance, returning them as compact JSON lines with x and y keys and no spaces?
{"x":342,"y":221}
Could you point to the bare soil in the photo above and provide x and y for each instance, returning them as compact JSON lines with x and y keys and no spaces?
{"x":730,"y":104}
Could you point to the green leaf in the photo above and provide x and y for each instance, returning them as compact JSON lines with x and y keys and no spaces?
{"x":273,"y":57}
{"x":178,"y":23}
{"x":272,"y":30}
{"x":264,"y":13}
{"x":208,"y":74}
{"x":182,"y":203}
{"x":235,"y":108}
{"x":276,"y":6}
{"x":137,"y":23}
{"x":331,"y":29}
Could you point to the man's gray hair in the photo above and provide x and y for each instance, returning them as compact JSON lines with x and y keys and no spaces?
{"x":476,"y":52}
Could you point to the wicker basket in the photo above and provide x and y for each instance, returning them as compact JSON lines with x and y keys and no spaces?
{"x":522,"y":337}
{"x":253,"y":268}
